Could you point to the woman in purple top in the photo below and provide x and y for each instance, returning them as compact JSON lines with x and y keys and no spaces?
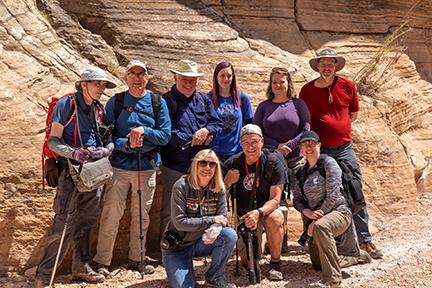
{"x":283,"y":118}
{"x":234,"y":108}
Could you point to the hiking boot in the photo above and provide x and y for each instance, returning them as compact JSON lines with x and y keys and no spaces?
{"x":371,"y":249}
{"x":41,"y":283}
{"x":136,"y":266}
{"x":220,"y":283}
{"x":364,"y":257}
{"x":87,"y":274}
{"x":102,"y":269}
{"x":275,"y":273}
{"x":347,"y":261}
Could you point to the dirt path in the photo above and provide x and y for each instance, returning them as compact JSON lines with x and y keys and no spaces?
{"x":406,"y":242}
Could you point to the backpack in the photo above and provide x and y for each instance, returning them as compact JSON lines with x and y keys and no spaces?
{"x":351,"y":186}
{"x":273,"y":156}
{"x":174,"y":106}
{"x":49,"y":158}
{"x":119,"y":102}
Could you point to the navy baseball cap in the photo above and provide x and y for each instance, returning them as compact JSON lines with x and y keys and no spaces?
{"x":310,"y":136}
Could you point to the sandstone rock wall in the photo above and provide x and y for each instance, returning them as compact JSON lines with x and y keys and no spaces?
{"x":44,"y":45}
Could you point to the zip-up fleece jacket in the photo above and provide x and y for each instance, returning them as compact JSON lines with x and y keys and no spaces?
{"x":193,"y":211}
{"x":319,"y":192}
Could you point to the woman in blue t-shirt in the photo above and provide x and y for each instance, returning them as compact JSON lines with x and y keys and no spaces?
{"x":234,"y":108}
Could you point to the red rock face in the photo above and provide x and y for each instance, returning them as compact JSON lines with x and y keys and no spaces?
{"x":46,"y":45}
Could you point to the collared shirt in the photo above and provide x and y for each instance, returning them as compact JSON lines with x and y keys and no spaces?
{"x":188,"y":115}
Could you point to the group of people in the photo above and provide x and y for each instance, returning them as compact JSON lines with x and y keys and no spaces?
{"x":210,"y":149}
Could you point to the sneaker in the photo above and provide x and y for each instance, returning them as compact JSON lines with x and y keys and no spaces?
{"x":221,"y":283}
{"x":102,"y":269}
{"x":320,"y":284}
{"x":275,"y":273}
{"x":136,"y":266}
{"x":87,"y":274}
{"x":371,"y":249}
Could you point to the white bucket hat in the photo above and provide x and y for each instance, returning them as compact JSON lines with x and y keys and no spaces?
{"x":187,"y":68}
{"x":95,"y":74}
{"x":327,"y":53}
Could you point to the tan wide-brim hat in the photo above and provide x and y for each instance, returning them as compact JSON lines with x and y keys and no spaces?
{"x":95,"y":74}
{"x":187,"y":68}
{"x":327,"y":53}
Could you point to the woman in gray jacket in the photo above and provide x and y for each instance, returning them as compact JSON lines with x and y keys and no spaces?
{"x":323,"y":207}
{"x":198,"y":225}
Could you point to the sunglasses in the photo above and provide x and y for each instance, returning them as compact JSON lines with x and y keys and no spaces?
{"x":205,"y":163}
{"x":279,"y":70}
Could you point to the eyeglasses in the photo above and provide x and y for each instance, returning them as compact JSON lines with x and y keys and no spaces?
{"x":327,"y":65}
{"x":309,"y":144}
{"x":253,"y":143}
{"x":139,"y":75}
{"x":205,"y":163}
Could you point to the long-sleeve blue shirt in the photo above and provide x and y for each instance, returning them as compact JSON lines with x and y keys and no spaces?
{"x":188,"y":115}
{"x":156,"y":133}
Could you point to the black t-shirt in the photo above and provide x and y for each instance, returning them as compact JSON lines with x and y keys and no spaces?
{"x":265,"y":180}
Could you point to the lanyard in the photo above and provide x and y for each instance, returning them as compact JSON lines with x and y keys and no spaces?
{"x":255,"y":184}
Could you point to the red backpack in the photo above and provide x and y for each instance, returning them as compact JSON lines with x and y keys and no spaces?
{"x":49,"y":158}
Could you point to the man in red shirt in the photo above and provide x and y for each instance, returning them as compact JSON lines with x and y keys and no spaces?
{"x":333,"y":105}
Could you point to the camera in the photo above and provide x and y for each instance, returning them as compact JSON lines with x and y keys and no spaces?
{"x":105,"y":132}
{"x":304,"y":239}
{"x":170,"y":240}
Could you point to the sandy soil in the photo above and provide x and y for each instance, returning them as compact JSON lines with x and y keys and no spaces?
{"x":405,"y":240}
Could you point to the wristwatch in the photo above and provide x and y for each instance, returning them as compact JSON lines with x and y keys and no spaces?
{"x":261,"y":212}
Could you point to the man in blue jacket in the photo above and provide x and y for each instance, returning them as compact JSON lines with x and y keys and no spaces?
{"x":194,"y":124}
{"x":138,"y":128}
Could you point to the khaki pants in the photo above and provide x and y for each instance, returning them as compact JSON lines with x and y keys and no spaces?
{"x":322,"y":248}
{"x":114,"y":204}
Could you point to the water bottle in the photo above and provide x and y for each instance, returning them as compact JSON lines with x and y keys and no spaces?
{"x":213,"y":232}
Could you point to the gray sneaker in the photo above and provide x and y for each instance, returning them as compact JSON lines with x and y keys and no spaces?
{"x":136,"y":265}
{"x":220,"y":283}
{"x":275,"y":273}
{"x":102,"y":269}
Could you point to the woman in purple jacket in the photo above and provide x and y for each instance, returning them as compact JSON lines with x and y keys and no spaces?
{"x":283,"y":118}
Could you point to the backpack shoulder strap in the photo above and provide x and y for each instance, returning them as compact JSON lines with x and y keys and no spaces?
{"x":118,"y":104}
{"x":173,"y":100}
{"x":156,"y":105}
{"x":321,"y":166}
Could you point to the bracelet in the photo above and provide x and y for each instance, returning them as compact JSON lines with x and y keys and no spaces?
{"x":261,"y":212}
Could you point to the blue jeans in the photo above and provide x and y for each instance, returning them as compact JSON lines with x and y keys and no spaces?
{"x":178,"y":263}
{"x":361,"y":218}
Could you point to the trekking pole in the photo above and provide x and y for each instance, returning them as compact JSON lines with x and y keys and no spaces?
{"x":69,"y":213}
{"x":140,"y":217}
{"x":234,"y":212}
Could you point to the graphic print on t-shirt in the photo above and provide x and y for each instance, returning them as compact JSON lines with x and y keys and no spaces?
{"x":248,"y":181}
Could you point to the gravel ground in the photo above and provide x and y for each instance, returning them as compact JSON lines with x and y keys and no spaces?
{"x":405,"y":240}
